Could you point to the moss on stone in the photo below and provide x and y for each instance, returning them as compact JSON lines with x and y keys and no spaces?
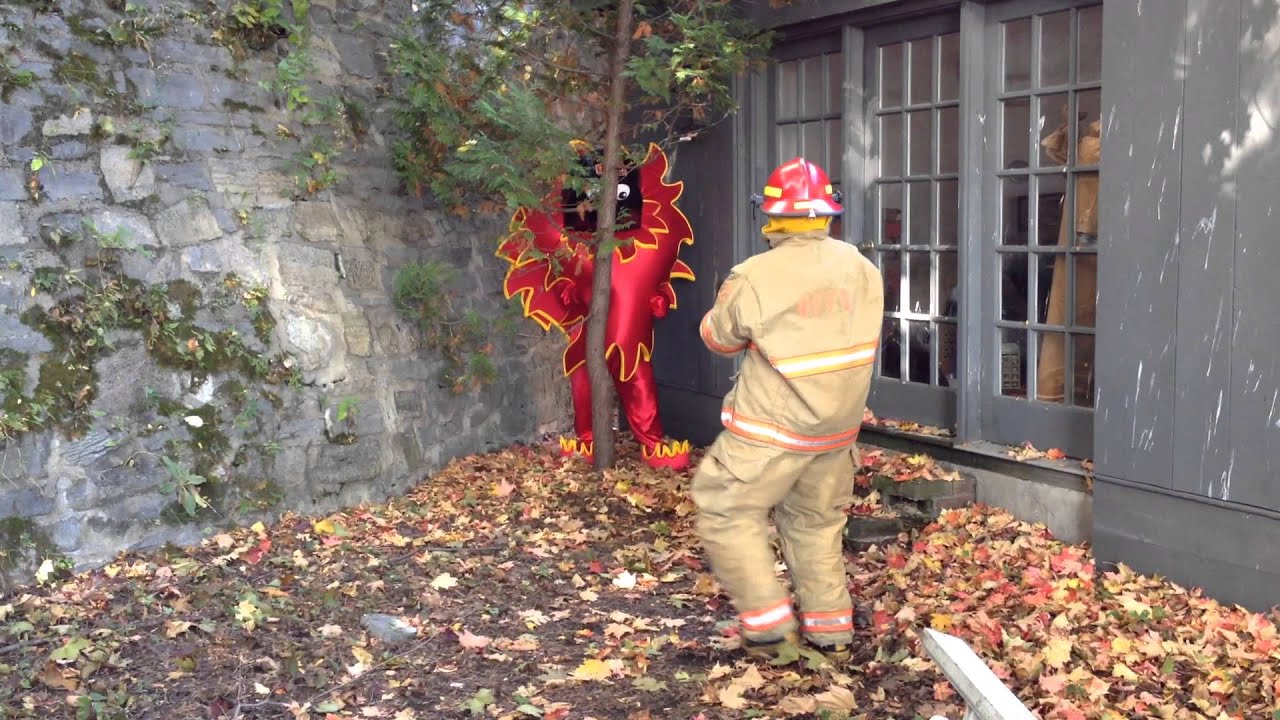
{"x":232,"y":105}
{"x":21,"y":542}
{"x":78,"y":68}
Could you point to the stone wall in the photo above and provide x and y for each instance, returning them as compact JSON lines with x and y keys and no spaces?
{"x":186,"y":305}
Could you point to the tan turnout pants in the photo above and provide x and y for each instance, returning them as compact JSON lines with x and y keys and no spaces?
{"x":735,"y":487}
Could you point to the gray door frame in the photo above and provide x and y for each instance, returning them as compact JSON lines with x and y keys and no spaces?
{"x":1004,"y":419}
{"x":929,"y":404}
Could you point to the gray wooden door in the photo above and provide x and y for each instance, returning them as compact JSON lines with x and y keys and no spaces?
{"x":1041,"y":113}
{"x":911,"y":224}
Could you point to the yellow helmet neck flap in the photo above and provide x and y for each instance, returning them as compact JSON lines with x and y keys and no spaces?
{"x":795,"y":225}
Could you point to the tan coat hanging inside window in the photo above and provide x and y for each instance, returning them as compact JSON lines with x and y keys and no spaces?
{"x":1051,"y":371}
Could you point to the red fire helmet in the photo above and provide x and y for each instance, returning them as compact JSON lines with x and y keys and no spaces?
{"x":799,"y":188}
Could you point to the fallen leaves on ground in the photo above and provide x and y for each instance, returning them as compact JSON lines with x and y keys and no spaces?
{"x":537,"y":591}
{"x":906,"y":426}
{"x":901,"y":467}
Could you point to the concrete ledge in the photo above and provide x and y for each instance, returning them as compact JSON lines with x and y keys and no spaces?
{"x":1067,"y":512}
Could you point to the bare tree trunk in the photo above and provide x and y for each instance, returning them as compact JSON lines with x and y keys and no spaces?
{"x":601,"y":381}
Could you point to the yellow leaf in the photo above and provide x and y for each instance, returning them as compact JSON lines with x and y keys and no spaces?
{"x":591,"y":669}
{"x":46,"y":570}
{"x":174,"y":628}
{"x":1122,"y":671}
{"x":940,"y":622}
{"x":1122,"y":645}
{"x":362,"y":656}
{"x":324,"y":527}
{"x":1058,"y":652}
{"x":258,"y":527}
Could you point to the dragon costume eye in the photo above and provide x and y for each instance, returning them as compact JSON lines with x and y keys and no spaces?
{"x":623,"y":191}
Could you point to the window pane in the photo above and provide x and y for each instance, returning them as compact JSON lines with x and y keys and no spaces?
{"x":948,"y":212}
{"x":946,"y":354}
{"x":1055,"y":49}
{"x":891,"y":213}
{"x":1014,"y":216}
{"x":1054,"y":129}
{"x":948,"y":140}
{"x":1086,"y":202}
{"x":891,"y":145}
{"x":1052,"y":190}
{"x":813,"y":143}
{"x":948,"y":284}
{"x":1017,"y":55}
{"x":1089,"y":143}
{"x":1049,"y":376}
{"x":891,"y":270}
{"x":1089,"y":55}
{"x":835,"y":150}
{"x":1013,"y":350}
{"x":921,"y":142}
{"x":891,"y":75}
{"x":1013,"y":287}
{"x":921,"y":71}
{"x":813,"y":98}
{"x":919,"y":358}
{"x":788,"y":142}
{"x":1082,"y":358}
{"x":788,"y":84}
{"x":919,"y":224}
{"x":1017,"y":124}
{"x":891,"y":350}
{"x":949,"y":80}
{"x":1051,"y":305}
{"x":919,"y":294}
{"x":835,"y":83}
{"x":1085,"y":273}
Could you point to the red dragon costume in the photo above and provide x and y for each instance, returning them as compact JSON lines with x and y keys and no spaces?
{"x":551,"y":270}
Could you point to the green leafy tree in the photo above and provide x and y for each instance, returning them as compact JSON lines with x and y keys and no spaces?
{"x":495,"y":91}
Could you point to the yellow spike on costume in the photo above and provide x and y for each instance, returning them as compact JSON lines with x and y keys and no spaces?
{"x":795,"y":224}
{"x":664,"y":450}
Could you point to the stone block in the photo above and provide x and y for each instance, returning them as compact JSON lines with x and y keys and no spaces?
{"x":20,"y":338}
{"x":311,"y":339}
{"x":408,"y":402}
{"x":192,"y":175}
{"x":136,"y":228}
{"x":144,"y":84}
{"x":332,"y":466}
{"x":127,"y":178}
{"x":24,"y":457}
{"x":77,"y":123}
{"x":187,"y":223}
{"x":65,"y":534}
{"x":68,"y":184}
{"x":357,"y":56}
{"x":251,"y":184}
{"x":24,"y":500}
{"x":11,"y":232}
{"x":204,"y":139}
{"x":174,"y":50}
{"x":15,"y":124}
{"x":69,"y":150}
{"x":87,"y":450}
{"x":355,"y":329}
{"x":926,"y":489}
{"x":54,"y":30}
{"x":12,"y":185}
{"x":363,"y":270}
{"x":178,"y":90}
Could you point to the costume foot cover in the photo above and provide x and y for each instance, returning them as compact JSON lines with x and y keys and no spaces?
{"x":772,"y":649}
{"x":672,"y":454}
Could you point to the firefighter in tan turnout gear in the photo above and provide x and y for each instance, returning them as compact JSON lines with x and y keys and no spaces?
{"x":807,"y":313}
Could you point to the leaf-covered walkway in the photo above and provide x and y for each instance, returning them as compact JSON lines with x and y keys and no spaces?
{"x":533,"y":590}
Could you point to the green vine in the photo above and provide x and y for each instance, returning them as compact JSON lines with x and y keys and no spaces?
{"x":424,"y":294}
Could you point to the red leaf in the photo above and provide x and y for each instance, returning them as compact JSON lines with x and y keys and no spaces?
{"x":471,"y":641}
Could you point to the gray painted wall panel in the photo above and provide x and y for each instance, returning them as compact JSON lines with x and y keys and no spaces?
{"x":1253,"y":478}
{"x":1201,"y":438}
{"x":1229,"y":552}
{"x":1143,"y":51}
